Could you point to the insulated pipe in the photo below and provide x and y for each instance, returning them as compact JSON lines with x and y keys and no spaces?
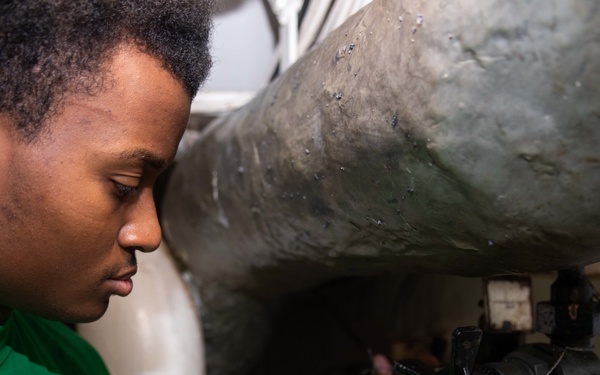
{"x":455,"y":137}
{"x":339,"y":13}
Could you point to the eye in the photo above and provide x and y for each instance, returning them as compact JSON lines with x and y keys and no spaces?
{"x":124,"y":191}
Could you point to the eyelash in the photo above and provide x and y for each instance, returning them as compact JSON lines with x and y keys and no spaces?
{"x":124,"y":191}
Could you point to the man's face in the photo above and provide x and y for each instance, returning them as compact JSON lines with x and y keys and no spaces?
{"x":76,"y":203}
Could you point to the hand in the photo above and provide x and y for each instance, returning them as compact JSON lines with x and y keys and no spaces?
{"x":382,"y":365}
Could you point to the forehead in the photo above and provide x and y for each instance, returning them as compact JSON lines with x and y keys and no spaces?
{"x":141,"y":106}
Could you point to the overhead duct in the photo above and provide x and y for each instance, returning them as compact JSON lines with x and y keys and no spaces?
{"x":453,"y":137}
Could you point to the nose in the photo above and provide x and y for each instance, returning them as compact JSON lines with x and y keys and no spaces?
{"x":141,"y":230}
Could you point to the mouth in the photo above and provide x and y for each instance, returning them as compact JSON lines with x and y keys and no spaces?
{"x":121,"y":285}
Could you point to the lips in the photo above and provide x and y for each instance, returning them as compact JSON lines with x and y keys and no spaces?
{"x":122,"y":285}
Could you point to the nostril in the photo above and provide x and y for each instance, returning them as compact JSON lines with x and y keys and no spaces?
{"x":132,"y":256}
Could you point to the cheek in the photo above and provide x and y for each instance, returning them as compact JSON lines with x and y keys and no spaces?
{"x":50,"y":212}
{"x":87,"y":218}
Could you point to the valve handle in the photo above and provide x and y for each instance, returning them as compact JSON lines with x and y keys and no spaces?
{"x":465,"y":344}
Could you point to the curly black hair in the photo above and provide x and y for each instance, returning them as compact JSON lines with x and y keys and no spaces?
{"x":52,"y":47}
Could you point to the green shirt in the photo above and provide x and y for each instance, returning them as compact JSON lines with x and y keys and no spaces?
{"x":30,"y":345}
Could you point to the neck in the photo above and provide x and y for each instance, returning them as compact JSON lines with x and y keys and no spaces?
{"x":4,"y":313}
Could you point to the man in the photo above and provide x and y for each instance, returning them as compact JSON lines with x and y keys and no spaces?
{"x":94,"y":97}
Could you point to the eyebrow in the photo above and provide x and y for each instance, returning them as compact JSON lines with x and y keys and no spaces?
{"x":148,"y":158}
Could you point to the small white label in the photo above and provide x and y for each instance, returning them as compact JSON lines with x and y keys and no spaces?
{"x":509,"y":306}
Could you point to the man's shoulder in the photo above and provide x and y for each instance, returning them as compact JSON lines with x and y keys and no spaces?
{"x":33,"y":345}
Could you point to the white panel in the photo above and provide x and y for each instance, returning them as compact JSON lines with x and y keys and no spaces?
{"x":243,"y":45}
{"x":218,"y":102}
{"x":509,"y":305}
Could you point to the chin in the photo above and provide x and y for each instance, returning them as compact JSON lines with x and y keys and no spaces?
{"x":83,"y":314}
